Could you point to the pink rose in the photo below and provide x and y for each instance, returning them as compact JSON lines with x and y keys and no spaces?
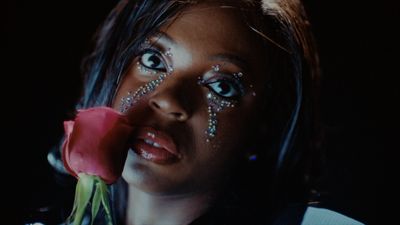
{"x":97,"y":143}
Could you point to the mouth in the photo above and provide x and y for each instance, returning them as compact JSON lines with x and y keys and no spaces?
{"x":155,"y":146}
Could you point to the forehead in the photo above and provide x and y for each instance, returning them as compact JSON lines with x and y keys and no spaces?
{"x":213,"y":28}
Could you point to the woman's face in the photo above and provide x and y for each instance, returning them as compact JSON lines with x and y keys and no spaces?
{"x":198,"y":85}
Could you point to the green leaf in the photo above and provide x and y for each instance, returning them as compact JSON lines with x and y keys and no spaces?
{"x":84,"y":192}
{"x":105,"y":201}
{"x":96,"y":202}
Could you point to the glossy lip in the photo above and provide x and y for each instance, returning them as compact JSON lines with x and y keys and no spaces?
{"x":157,"y":136}
{"x":167,"y":151}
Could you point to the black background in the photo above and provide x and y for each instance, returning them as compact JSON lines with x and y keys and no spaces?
{"x":360,"y":61}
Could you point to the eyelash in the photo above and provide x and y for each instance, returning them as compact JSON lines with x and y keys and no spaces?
{"x":159,"y":57}
{"x":213,"y":84}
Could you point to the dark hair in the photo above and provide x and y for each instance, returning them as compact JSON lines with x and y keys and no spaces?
{"x":117,"y":43}
{"x":294,"y":81}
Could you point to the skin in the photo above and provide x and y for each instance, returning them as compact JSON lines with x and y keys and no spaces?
{"x":179,"y":192}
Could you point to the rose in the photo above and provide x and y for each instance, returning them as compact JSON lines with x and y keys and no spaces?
{"x":97,"y":143}
{"x":94,"y":151}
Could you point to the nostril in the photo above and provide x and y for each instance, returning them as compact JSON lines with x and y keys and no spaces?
{"x":178,"y":116}
{"x":168,"y":108}
{"x":155,"y":105}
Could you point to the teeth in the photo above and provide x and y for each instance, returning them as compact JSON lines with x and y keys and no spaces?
{"x":150,"y":142}
{"x":151,"y":134}
{"x":155,"y":144}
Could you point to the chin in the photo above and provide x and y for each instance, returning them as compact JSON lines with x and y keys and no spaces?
{"x":147,"y":178}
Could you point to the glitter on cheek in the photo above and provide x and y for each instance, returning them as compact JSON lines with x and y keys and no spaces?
{"x":145,"y":70}
{"x":212,"y":124}
{"x":238,"y":75}
{"x":253,"y":93}
{"x":133,"y":97}
{"x":218,"y":104}
{"x":215,"y":104}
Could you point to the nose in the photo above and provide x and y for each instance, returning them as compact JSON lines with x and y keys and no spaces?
{"x":169,"y":101}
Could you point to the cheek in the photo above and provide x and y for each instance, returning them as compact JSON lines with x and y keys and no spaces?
{"x":128,"y":84}
{"x":233,"y":132}
{"x":117,"y":101}
{"x":237,"y":128}
{"x":132,"y":91}
{"x":135,"y":84}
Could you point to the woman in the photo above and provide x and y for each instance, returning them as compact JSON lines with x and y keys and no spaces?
{"x":223,"y":95}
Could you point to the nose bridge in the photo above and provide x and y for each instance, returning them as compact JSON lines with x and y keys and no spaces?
{"x":173,"y":99}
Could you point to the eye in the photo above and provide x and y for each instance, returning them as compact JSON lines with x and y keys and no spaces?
{"x":152,"y":60}
{"x":225,"y":88}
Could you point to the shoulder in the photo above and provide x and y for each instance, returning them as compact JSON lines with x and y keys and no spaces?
{"x":322,"y":216}
{"x":301,"y":214}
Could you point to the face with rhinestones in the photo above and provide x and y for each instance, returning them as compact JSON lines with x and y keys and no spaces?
{"x":194,"y":93}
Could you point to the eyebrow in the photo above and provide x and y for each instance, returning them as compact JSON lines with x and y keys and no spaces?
{"x":161,"y":35}
{"x":225,"y":57}
{"x":231,"y":58}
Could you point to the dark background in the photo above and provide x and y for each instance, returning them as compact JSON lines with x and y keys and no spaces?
{"x":45,"y":41}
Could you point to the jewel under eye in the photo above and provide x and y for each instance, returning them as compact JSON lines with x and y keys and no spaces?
{"x":152,"y":60}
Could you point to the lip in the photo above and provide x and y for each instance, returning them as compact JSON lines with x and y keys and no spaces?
{"x":166,"y":150}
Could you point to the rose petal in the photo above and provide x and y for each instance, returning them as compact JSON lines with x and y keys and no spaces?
{"x":68,"y":128}
{"x":97,"y":143}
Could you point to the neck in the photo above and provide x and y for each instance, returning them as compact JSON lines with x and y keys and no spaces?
{"x":149,"y":209}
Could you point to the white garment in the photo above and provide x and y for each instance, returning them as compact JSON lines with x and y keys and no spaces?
{"x":321,"y":216}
